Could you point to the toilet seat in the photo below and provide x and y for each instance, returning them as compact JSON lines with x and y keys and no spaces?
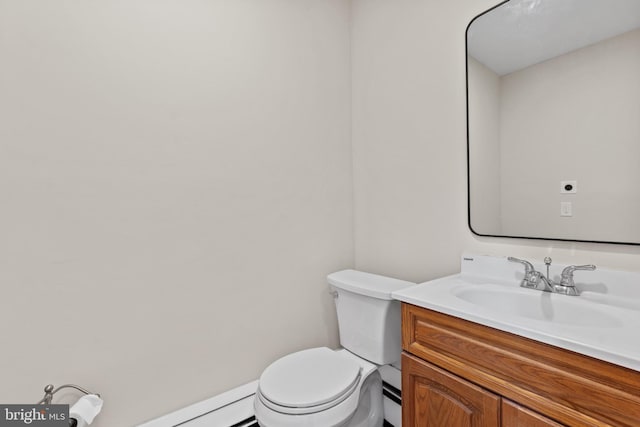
{"x":309,"y":381}
{"x":332,"y":413}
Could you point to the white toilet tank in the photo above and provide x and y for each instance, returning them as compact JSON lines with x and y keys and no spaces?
{"x":368,"y":318}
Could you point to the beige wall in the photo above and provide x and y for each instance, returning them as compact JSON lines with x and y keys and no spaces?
{"x":176,"y":184}
{"x":408,"y":136}
{"x":574,"y":117}
{"x":175,"y":179}
{"x":484,"y":151}
{"x":409,"y":146}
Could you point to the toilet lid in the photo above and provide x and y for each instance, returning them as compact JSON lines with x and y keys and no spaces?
{"x":309,"y":378}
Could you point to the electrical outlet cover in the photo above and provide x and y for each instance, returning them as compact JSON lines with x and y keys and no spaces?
{"x":568,"y":187}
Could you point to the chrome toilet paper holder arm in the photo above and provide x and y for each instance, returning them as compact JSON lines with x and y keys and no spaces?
{"x":49,"y":391}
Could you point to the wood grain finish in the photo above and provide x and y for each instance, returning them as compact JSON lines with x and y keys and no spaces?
{"x":567,"y":387}
{"x":440,"y":399}
{"x":514,"y":415}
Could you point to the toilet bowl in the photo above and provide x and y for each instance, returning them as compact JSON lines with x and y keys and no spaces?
{"x":320,"y":387}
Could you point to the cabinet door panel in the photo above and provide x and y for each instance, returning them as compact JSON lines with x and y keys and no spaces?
{"x":433,"y":397}
{"x":514,"y":415}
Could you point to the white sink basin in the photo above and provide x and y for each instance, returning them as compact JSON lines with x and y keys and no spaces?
{"x":602,"y":322}
{"x":536,"y":305}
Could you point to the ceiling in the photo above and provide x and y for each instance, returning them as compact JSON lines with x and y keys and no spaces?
{"x":520,"y":33}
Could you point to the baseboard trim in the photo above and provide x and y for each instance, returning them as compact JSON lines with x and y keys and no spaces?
{"x":234,"y":408}
{"x":231,"y":408}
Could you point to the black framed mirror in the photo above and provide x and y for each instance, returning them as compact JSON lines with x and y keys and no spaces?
{"x":553,"y":120}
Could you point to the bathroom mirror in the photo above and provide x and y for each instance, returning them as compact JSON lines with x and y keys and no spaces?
{"x":553,"y":120}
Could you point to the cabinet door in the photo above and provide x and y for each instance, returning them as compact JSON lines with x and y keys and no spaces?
{"x":432,"y":397}
{"x":514,"y":415}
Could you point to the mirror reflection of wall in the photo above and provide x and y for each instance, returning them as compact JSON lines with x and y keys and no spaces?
{"x":539,"y":119}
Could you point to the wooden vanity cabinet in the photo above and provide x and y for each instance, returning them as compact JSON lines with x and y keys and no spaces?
{"x":457,"y":373}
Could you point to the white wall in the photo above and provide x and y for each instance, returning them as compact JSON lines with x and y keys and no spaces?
{"x":410,"y":146}
{"x":409,"y":172}
{"x":175,"y":179}
{"x":574,"y":117}
{"x":176,"y":183}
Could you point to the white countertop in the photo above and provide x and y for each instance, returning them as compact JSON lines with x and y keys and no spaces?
{"x":603,"y":322}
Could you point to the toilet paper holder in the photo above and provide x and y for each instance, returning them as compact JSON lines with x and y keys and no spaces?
{"x":49,"y":391}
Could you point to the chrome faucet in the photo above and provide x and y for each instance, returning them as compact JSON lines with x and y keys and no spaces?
{"x":535,"y":280}
{"x":532,"y":278}
{"x":567,"y":286}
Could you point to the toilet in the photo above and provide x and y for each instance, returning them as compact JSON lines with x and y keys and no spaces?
{"x":321,"y":387}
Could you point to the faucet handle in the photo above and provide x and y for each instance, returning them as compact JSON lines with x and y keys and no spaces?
{"x":567,"y":274}
{"x":528,"y":267}
{"x":531,"y":276}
